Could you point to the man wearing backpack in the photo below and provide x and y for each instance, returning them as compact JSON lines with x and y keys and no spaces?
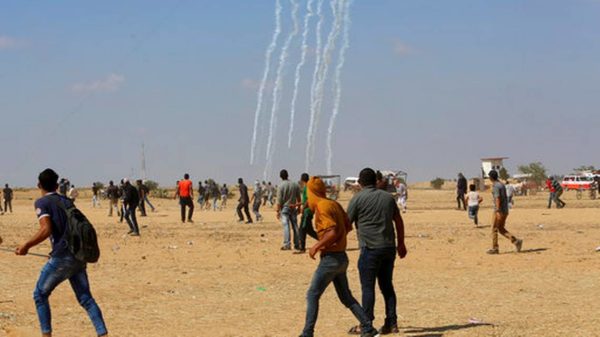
{"x":63,"y":265}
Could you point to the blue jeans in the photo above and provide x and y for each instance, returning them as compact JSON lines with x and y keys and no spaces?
{"x":473,"y":213}
{"x":332,"y":268}
{"x":550,"y":199}
{"x":378,"y":265}
{"x":132,"y":219}
{"x":289,"y":217}
{"x":148,"y":202}
{"x":57,"y":270}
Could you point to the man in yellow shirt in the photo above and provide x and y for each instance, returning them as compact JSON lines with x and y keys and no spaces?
{"x":332,"y":226}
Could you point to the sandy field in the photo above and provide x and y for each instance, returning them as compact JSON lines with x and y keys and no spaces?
{"x":220,"y":278}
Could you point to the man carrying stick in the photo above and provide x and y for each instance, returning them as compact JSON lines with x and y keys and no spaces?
{"x":62,"y":264}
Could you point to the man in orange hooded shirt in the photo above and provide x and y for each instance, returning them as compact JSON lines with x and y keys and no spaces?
{"x":332,"y":226}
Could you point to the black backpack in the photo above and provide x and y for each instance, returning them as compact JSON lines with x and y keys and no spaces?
{"x":80,"y":235}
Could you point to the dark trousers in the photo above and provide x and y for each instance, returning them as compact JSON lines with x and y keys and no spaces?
{"x":243,"y":205}
{"x":131,"y":218}
{"x":378,"y":265}
{"x":557,"y":200}
{"x":8,"y":205}
{"x":306,"y":227}
{"x":183,"y":202}
{"x":460,"y":199}
{"x":122,"y":211}
{"x":143,"y":207}
{"x":332,"y":268}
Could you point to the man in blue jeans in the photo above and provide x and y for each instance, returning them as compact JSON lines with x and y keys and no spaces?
{"x":62,"y":264}
{"x":288,"y":201}
{"x":379,"y":226}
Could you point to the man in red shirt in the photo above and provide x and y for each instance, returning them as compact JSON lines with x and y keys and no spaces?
{"x":185,"y":192}
{"x":551,"y":190}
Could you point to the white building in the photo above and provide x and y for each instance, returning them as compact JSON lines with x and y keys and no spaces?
{"x":488,"y":164}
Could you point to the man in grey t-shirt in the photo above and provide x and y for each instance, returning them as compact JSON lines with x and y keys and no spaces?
{"x":379,"y":226}
{"x":288,"y":201}
{"x":500,"y":215}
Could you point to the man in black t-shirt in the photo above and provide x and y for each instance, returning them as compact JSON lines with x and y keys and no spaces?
{"x":461,"y":190}
{"x":131,"y":200}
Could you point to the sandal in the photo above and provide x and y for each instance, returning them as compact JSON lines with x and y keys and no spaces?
{"x":355,"y":330}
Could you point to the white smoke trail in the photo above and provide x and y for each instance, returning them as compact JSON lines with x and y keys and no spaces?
{"x":337,"y":81}
{"x":278,"y":85}
{"x":305,"y":32}
{"x":320,"y":88}
{"x":263,"y":82}
{"x":313,"y":85}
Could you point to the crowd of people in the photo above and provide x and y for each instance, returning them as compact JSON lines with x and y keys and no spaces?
{"x":374,"y":211}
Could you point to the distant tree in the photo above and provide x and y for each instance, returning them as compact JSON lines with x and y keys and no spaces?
{"x":503,"y":174}
{"x":585,"y":168}
{"x":99,"y":185}
{"x":152,"y":185}
{"x":437,"y":183}
{"x":536,"y":170}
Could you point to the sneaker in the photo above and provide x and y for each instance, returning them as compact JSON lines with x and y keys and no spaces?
{"x":299,"y":251}
{"x":190,"y":221}
{"x":493,"y":251}
{"x":135,"y":234}
{"x":388,"y":329}
{"x":519,"y":245}
{"x":286,"y":248}
{"x":372,"y":333}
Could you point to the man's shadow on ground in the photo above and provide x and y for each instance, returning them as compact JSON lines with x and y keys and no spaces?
{"x":439,"y":331}
{"x":527,"y":251}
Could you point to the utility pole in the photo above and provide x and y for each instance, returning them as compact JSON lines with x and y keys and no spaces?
{"x":143,"y":162}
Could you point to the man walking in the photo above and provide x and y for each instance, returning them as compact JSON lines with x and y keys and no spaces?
{"x":461,"y":190}
{"x":500,"y":215}
{"x":95,"y":200}
{"x":201,"y":190}
{"x":243,"y":202}
{"x":401,"y":194}
{"x":551,"y":191}
{"x":224,"y":195}
{"x":288,"y":200}
{"x":131,"y":200}
{"x":62,"y":264}
{"x":185,"y":191}
{"x":558,"y":191}
{"x":306,"y":226}
{"x":380,"y":236}
{"x":73,"y":193}
{"x":8,"y":197}
{"x":142,"y":196}
{"x":256,"y":200}
{"x":112,"y":193}
{"x":146,"y":199}
{"x":332,"y":228}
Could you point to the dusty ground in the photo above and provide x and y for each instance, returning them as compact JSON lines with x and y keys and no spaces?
{"x":220,"y":278}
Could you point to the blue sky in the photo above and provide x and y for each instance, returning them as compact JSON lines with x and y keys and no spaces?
{"x":428,"y":87}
